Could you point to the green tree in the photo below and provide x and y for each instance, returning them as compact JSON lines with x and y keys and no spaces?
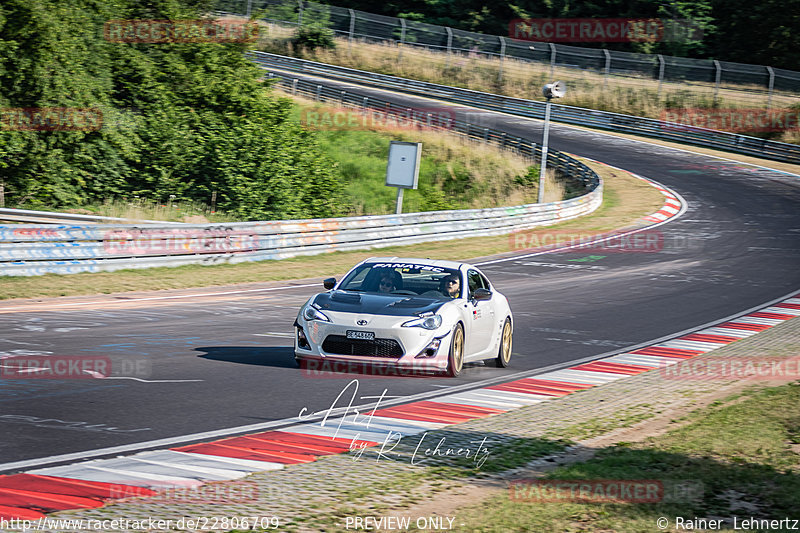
{"x":183,"y":119}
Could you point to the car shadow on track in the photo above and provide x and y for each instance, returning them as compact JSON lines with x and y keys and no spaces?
{"x":277,"y":356}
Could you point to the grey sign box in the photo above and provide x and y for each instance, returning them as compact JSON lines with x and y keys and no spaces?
{"x":403,"y":168}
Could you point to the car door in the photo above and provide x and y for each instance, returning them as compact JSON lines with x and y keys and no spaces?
{"x":480,"y":315}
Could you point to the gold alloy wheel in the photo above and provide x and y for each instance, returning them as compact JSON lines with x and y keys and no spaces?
{"x":504,"y":357}
{"x":456,"y":359}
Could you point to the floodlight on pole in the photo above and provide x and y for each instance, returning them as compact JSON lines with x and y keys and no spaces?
{"x":550,"y":91}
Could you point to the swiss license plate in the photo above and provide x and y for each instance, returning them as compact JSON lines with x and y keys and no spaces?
{"x":361,"y":335}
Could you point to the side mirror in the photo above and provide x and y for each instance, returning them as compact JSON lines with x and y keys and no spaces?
{"x":482,"y":294}
{"x":329,"y":283}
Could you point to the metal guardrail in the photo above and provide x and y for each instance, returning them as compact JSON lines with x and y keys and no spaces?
{"x":743,"y":144}
{"x":27,"y":250}
{"x":35,"y":250}
{"x":50,"y":217}
{"x":355,"y":24}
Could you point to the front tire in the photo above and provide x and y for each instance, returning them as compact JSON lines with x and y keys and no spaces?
{"x":455,"y":361}
{"x":504,"y":353}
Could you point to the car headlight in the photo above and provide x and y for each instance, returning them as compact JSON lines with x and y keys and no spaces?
{"x":428,"y":322}
{"x":311,"y":312}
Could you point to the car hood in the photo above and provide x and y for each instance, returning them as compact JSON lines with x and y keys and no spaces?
{"x":377,"y":304}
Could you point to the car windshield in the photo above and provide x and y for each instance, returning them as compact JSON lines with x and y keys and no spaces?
{"x":404,"y":279}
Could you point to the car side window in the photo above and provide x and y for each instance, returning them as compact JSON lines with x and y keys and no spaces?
{"x":475,"y":281}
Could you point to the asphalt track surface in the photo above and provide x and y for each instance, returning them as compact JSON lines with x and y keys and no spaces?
{"x":212,"y":363}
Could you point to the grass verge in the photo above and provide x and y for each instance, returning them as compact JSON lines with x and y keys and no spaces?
{"x":632,"y":95}
{"x":626,"y":199}
{"x":739,"y":457}
{"x":455,"y":172}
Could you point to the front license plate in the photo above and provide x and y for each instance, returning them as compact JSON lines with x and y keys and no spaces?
{"x":361,"y":335}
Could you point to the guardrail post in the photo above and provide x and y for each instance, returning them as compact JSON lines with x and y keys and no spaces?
{"x":717,"y":79}
{"x":341,"y":99}
{"x":365,"y":102}
{"x":486,"y":134}
{"x":319,"y":93}
{"x":352,"y":28}
{"x":502,"y":57}
{"x":294,"y":86}
{"x":608,"y":67}
{"x":661,"y":65}
{"x":503,"y":140}
{"x":300,"y":12}
{"x":552,"y":58}
{"x":402,"y":38}
{"x":771,"y":72}
{"x":449,"y":44}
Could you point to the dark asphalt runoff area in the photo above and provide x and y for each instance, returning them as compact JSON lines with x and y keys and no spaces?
{"x":224,"y":362}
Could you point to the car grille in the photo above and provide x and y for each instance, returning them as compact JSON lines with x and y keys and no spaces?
{"x":341,"y":345}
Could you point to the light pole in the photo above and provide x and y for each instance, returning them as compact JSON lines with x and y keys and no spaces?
{"x":551,"y":90}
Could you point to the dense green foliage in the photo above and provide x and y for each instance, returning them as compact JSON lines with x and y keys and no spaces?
{"x":182,"y":119}
{"x":765,"y":32}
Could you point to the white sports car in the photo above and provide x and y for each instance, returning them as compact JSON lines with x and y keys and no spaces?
{"x":416,"y":315}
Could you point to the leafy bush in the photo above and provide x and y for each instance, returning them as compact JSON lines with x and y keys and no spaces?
{"x":313,"y":37}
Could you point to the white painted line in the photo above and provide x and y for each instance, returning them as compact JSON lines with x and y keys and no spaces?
{"x":782,"y":310}
{"x":195,"y":460}
{"x":145,"y":468}
{"x":90,"y":472}
{"x":332,"y":430}
{"x":461,"y":400}
{"x":423,"y":424}
{"x":586,"y":377}
{"x":684,"y":206}
{"x":379,"y":423}
{"x":204,"y":472}
{"x":251,"y":464}
{"x":175,"y":297}
{"x":642,"y":360}
{"x":510,"y":396}
{"x":759,"y":321}
{"x":727,"y":332}
{"x":691,"y":345}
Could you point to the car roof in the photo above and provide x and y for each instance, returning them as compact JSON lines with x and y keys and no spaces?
{"x":418,"y":261}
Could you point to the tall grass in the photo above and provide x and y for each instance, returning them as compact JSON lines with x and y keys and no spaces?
{"x":455,"y":172}
{"x":138,"y":208}
{"x":619,"y":94}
